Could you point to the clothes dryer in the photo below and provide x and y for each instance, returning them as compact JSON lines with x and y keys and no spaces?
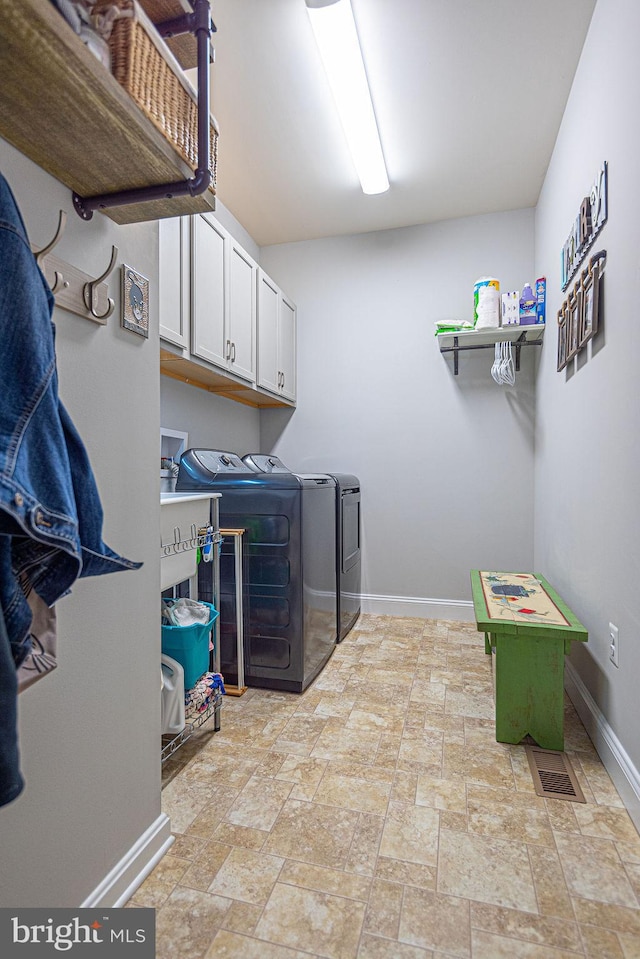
{"x":290,"y":596}
{"x":348,"y":555}
{"x":348,"y":568}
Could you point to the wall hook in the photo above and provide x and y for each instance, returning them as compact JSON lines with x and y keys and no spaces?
{"x":59,"y":281}
{"x":90,"y":290}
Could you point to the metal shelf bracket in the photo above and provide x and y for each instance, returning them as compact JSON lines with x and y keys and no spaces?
{"x":457,"y":348}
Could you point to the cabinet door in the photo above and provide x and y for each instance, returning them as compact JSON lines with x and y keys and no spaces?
{"x":173,"y":280}
{"x":208,"y":339}
{"x":268,"y":322}
{"x":287,"y":348}
{"x":242,"y":311}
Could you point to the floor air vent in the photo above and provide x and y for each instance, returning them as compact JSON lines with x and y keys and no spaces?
{"x":553,"y":776}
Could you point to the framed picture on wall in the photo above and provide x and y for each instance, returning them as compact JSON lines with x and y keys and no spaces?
{"x":573,"y":321}
{"x":562,"y":337}
{"x":589,"y":312}
{"x":135,"y":301}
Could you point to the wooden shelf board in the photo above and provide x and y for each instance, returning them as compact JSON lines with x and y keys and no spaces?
{"x":204,"y":378}
{"x":67,"y":113}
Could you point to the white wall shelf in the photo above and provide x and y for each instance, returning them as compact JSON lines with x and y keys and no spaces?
{"x":456,"y":342}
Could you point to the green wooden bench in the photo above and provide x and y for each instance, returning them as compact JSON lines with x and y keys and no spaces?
{"x":531,"y":629}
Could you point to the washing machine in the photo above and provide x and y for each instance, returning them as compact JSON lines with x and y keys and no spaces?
{"x":290,"y":604}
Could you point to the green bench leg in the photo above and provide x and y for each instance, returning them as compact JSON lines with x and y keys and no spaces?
{"x":487,"y":643}
{"x":530,"y":690}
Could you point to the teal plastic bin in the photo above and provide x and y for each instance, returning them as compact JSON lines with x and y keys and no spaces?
{"x":189,"y":645}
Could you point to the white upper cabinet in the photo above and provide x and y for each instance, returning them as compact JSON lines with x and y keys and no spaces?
{"x":173,"y":282}
{"x":242,"y":311}
{"x":209,"y":291}
{"x":224,"y":299}
{"x":225,"y":325}
{"x":287,"y":347}
{"x":276,"y":333}
{"x":268,"y":310}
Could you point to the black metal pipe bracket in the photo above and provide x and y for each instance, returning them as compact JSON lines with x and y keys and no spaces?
{"x":199,"y":23}
{"x":458,"y":348}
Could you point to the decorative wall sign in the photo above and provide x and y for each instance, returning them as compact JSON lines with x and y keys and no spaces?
{"x":590,"y":281}
{"x":591,"y":217}
{"x":562,"y":337}
{"x":573,"y":321}
{"x":135,"y":301}
{"x":578,"y":315}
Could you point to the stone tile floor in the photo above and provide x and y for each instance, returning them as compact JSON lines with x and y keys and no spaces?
{"x":375,"y":817}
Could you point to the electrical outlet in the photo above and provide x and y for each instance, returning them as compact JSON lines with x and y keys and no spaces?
{"x":613,"y":644}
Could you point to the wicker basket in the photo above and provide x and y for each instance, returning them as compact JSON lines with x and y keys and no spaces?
{"x":143,"y":64}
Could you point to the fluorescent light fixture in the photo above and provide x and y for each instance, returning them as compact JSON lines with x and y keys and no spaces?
{"x":337,"y":39}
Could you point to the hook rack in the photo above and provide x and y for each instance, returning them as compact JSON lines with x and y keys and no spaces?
{"x":91,"y":288}
{"x":74,"y":290}
{"x":197,"y":539}
{"x":59,"y":281}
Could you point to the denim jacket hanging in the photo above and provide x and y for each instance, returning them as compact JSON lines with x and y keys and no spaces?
{"x":50,"y":511}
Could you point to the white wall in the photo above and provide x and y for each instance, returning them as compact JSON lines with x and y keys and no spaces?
{"x":89,"y":732}
{"x":445,"y":462}
{"x":212,"y":422}
{"x":236,"y":229}
{"x":587,"y":451}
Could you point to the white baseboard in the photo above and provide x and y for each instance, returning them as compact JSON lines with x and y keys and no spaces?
{"x":418,"y":606}
{"x":624,"y":774}
{"x":134,"y":867}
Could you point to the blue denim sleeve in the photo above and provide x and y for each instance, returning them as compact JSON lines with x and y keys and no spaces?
{"x":11,"y":782}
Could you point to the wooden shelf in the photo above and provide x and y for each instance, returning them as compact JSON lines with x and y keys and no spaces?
{"x":456,"y":342}
{"x":66,"y":112}
{"x":503,"y":334}
{"x":191,"y":372}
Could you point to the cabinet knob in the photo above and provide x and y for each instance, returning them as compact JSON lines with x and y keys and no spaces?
{"x":227,"y":354}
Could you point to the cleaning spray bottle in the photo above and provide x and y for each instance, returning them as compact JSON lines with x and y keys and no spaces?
{"x":528,"y":303}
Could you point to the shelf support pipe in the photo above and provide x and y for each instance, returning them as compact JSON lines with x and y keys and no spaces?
{"x":199,"y":23}
{"x":457,"y":348}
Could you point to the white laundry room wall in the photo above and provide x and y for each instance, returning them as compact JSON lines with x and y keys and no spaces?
{"x":445,"y":462}
{"x":212,"y":422}
{"x":89,"y":821}
{"x":587,"y":507}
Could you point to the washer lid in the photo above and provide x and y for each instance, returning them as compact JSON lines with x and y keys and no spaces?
{"x":216,"y":461}
{"x":199,"y":469}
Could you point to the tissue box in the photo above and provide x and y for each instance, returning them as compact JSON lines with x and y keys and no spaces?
{"x":511,"y":308}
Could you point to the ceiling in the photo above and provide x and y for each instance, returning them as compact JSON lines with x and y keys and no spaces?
{"x":469,"y":95}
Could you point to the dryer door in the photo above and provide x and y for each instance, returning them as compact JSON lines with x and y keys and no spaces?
{"x":350,"y":531}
